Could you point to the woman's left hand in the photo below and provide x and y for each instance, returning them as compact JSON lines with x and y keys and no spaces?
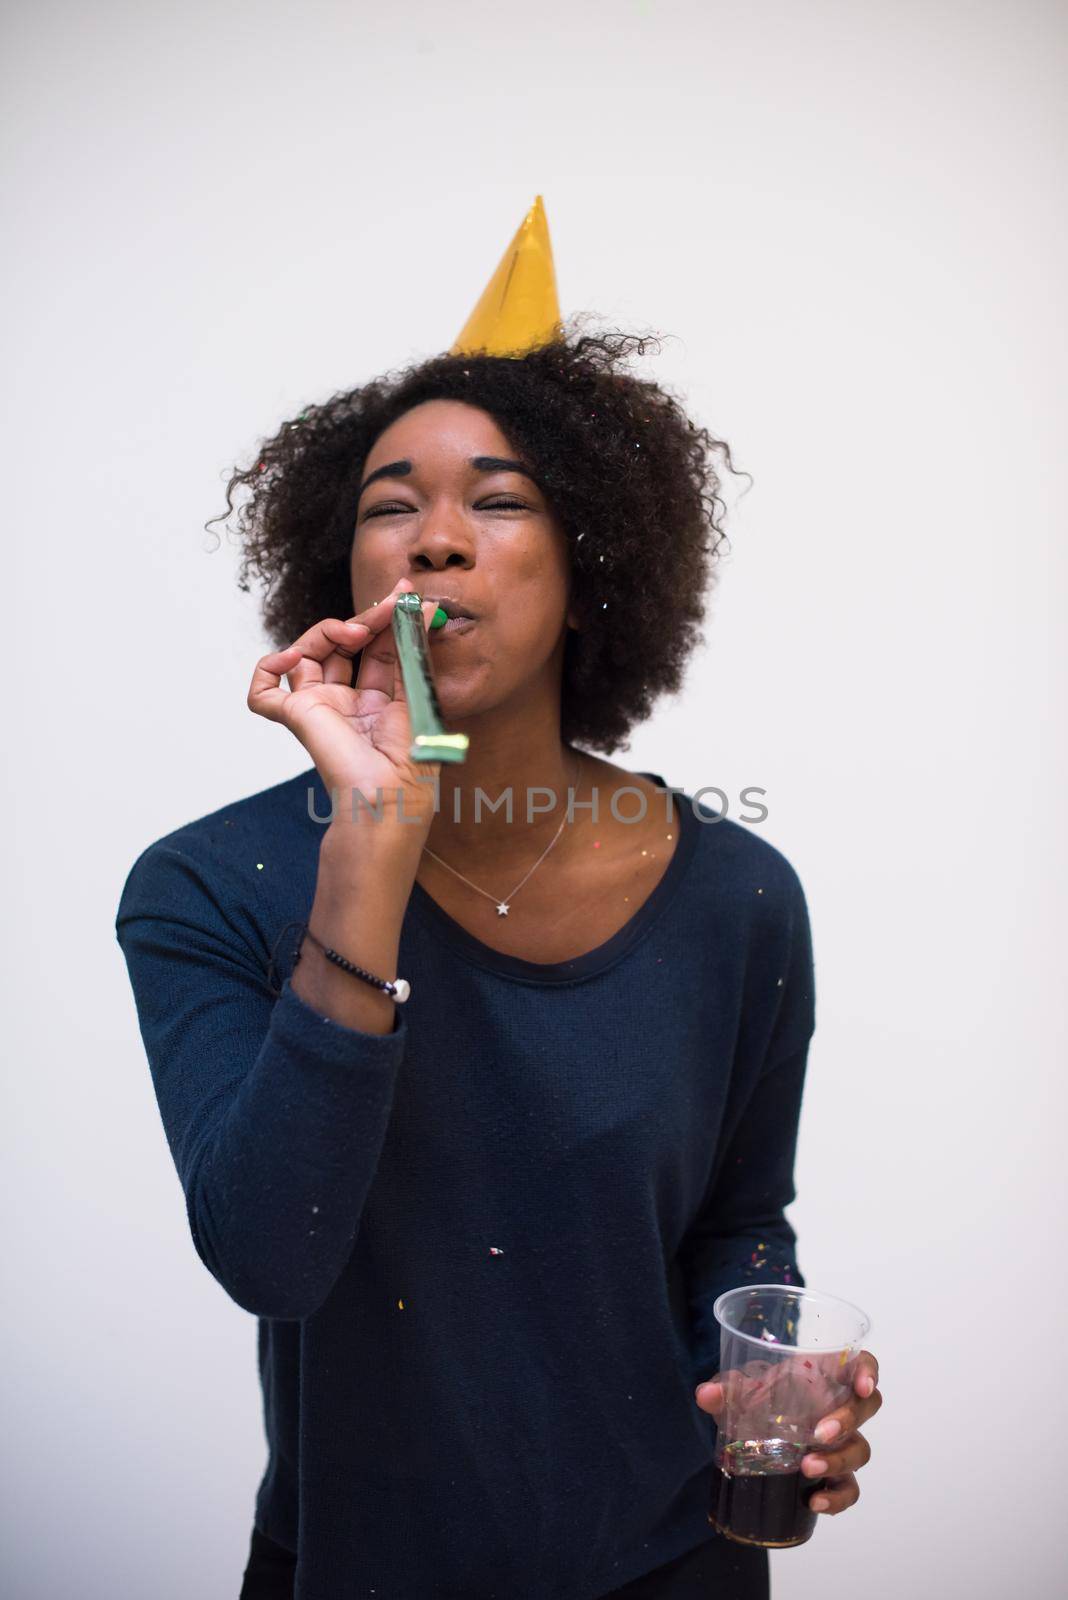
{"x":850,"y":1450}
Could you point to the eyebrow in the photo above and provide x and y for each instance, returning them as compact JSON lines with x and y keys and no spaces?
{"x":402,"y":469}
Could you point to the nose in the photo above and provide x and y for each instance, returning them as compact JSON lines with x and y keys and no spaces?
{"x":444,"y":540}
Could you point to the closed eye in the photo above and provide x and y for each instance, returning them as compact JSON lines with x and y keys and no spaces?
{"x":496,"y":505}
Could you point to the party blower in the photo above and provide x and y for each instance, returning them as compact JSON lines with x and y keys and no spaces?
{"x":430,"y":742}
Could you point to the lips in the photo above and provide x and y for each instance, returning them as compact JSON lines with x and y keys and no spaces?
{"x":454,"y":625}
{"x":451,"y":606}
{"x":461,"y":617}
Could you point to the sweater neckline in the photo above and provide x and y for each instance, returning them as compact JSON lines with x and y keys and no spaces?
{"x":592,"y":961}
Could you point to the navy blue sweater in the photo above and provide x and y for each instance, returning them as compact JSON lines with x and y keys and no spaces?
{"x":483,"y":1248}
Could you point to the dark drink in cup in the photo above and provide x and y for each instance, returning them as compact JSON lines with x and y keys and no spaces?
{"x":760,"y":1495}
{"x":787,"y":1359}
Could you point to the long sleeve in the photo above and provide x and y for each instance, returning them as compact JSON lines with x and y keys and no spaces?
{"x":275,"y":1116}
{"x":742,"y":1234}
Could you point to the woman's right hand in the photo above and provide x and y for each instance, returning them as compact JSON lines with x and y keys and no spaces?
{"x":358,"y":736}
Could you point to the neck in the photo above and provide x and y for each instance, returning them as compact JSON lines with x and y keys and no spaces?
{"x":522,"y":759}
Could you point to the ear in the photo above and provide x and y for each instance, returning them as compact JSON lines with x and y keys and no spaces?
{"x":573,"y":619}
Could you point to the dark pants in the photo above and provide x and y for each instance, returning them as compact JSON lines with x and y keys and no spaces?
{"x":715,"y":1570}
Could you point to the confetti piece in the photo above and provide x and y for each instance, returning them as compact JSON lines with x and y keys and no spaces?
{"x":843,"y":1358}
{"x":494,"y":1251}
{"x":259,"y":866}
{"x":400,"y":1305}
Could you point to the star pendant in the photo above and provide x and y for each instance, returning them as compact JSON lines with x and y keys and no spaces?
{"x":502,"y":909}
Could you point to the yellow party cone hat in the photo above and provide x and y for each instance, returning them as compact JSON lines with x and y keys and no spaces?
{"x":519,"y":308}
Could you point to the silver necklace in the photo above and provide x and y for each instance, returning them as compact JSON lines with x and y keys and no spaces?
{"x":503,"y":906}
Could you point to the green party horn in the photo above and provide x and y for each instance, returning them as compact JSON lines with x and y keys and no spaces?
{"x":430,"y":742}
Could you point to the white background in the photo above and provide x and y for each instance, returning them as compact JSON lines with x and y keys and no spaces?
{"x":850,"y":220}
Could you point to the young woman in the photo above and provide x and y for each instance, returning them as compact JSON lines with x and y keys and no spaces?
{"x":482,"y":1226}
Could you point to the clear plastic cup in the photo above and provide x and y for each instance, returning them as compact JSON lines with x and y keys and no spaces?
{"x":787,"y":1357}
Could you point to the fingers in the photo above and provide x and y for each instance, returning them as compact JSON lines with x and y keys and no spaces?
{"x":709,"y":1396}
{"x":866,"y":1376}
{"x":378,"y":662}
{"x":837,"y":1463}
{"x":836,"y":1495}
{"x":847,"y":1418}
{"x":327,"y":650}
{"x":732,"y":1385}
{"x":265,"y":696}
{"x":323,"y":654}
{"x":349,"y":639}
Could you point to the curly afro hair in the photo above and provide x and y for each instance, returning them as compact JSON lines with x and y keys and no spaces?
{"x":629,"y":477}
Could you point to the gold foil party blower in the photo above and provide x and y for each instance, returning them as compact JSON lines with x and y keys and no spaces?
{"x":430,"y":741}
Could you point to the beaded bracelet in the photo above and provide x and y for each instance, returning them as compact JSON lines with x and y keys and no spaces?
{"x":398,"y":990}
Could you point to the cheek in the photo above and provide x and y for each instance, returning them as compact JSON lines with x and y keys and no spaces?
{"x":537,"y":570}
{"x":534,"y":611}
{"x":369,"y":569}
